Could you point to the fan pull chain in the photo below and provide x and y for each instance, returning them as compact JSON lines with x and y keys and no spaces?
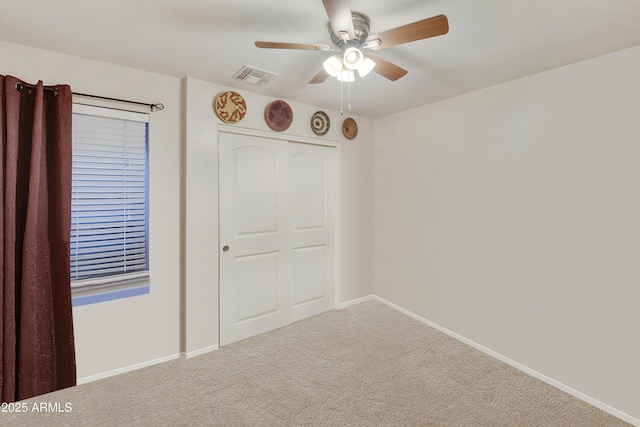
{"x":348,"y":98}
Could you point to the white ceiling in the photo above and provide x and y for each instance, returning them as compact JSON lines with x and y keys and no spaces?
{"x":489,"y":41}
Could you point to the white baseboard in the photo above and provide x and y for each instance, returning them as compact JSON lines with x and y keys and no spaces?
{"x":356,"y":301}
{"x":130,"y":368}
{"x":201,"y":351}
{"x":588,"y":399}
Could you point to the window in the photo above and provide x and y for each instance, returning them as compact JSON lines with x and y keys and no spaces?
{"x":109,"y":227}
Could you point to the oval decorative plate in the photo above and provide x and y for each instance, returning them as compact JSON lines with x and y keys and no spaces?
{"x":278,"y":115}
{"x":320,"y":123}
{"x":349,"y":128}
{"x":230,"y":106}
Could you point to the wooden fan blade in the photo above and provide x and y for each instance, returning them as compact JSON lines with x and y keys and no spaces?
{"x":300,"y":46}
{"x":339,"y":12}
{"x":430,"y":27}
{"x":386,"y":68}
{"x":319,"y":78}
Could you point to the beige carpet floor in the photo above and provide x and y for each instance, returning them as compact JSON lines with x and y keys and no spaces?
{"x":367,"y":365}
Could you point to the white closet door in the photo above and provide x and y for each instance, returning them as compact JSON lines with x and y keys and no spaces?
{"x":312,"y":229}
{"x":276,"y":233}
{"x":255,"y":255}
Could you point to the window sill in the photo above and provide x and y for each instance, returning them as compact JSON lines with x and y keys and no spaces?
{"x":97,"y":297}
{"x":124,"y":287}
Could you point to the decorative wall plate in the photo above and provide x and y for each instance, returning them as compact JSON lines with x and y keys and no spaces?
{"x":230,"y":107}
{"x":349,"y":128}
{"x":278,"y":115}
{"x":320,"y":123}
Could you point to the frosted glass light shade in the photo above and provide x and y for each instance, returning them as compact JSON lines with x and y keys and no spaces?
{"x":333,"y":65}
{"x":346,"y":75}
{"x":366,"y":67}
{"x":353,"y":58}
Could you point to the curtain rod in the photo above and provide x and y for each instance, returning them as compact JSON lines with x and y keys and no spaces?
{"x":154,"y":107}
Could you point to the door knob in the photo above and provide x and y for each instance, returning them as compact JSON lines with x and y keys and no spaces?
{"x":225,"y":248}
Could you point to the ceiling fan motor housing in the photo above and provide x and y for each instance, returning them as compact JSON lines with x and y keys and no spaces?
{"x":361,"y":30}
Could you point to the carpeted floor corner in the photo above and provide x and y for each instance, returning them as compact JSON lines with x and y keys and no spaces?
{"x":367,"y":365}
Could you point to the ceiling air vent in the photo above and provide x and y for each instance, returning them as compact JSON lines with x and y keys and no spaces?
{"x":254,"y":76}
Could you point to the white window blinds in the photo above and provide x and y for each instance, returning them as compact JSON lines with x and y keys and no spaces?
{"x":109,"y":195}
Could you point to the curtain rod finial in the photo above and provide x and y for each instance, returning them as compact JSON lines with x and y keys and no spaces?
{"x":157,"y":107}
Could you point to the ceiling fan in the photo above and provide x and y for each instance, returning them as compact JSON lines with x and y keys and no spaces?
{"x":349,"y":33}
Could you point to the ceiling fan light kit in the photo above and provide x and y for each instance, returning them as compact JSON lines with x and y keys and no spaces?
{"x":343,"y":69}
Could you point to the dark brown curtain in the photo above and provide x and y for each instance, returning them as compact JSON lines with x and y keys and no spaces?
{"x":37,"y":352}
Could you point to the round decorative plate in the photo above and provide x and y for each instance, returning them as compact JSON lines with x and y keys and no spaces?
{"x":230,"y":107}
{"x":349,"y":128}
{"x":320,"y":123}
{"x":278,"y":115}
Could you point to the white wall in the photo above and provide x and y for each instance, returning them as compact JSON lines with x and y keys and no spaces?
{"x":354,"y":244}
{"x":119,"y":334}
{"x":511,"y":216}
